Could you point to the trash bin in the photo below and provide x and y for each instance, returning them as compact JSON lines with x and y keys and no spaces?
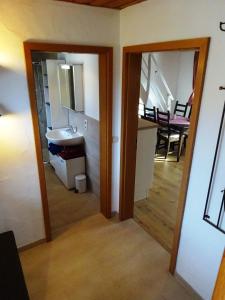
{"x":80,"y":183}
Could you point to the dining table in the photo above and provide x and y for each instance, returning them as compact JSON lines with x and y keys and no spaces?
{"x":179,"y":121}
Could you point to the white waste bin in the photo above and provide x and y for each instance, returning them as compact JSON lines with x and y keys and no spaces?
{"x":80,"y":183}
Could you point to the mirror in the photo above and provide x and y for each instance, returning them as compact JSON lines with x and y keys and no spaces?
{"x":70,"y":79}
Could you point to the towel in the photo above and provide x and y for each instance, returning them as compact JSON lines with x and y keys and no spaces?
{"x":71,"y":152}
{"x":55,"y":149}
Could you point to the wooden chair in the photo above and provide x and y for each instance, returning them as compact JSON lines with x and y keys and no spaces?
{"x":150,"y":114}
{"x":167,"y":134}
{"x":180,"y":109}
{"x":187,"y":130}
{"x":189,"y":115}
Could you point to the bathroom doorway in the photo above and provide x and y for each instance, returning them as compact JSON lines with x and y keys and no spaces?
{"x":71,"y":96}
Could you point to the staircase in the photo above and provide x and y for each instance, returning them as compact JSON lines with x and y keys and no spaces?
{"x":154,"y":89}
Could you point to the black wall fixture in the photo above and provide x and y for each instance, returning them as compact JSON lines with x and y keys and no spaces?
{"x":214,"y":211}
{"x":12,"y":282}
{"x":222,"y":26}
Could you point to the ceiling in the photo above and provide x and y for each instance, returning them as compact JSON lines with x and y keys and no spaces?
{"x":115,"y":4}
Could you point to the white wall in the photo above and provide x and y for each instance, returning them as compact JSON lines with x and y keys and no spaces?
{"x":90,"y":81}
{"x":168,"y":63}
{"x":176,"y":67}
{"x":185,"y":76}
{"x":43,"y":20}
{"x":166,"y":67}
{"x":201,"y":245}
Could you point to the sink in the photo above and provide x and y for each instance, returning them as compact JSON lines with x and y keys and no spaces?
{"x":64,"y":137}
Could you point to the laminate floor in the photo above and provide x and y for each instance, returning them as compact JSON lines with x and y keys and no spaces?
{"x":65,"y":206}
{"x":99,"y":259}
{"x":157,"y":213}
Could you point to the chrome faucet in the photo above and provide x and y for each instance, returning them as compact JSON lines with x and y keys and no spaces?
{"x":73,"y":129}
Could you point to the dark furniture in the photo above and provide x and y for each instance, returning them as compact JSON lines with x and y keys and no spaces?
{"x":150,"y":114}
{"x":180,"y":109}
{"x":12,"y":283}
{"x":189,"y":114}
{"x":167,"y":134}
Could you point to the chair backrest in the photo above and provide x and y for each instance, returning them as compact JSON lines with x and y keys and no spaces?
{"x":163,"y":118}
{"x":150,"y":114}
{"x":180,"y":109}
{"x":189,"y":115}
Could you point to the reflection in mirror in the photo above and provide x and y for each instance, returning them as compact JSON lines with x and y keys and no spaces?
{"x":71,"y":86}
{"x":65,"y":88}
{"x":78,"y":87}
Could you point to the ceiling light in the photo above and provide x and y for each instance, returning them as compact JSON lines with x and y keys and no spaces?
{"x":65,"y":67}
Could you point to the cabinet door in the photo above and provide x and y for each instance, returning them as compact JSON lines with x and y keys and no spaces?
{"x":61,"y":171}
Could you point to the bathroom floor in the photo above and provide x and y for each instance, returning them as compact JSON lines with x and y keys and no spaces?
{"x":65,"y":206}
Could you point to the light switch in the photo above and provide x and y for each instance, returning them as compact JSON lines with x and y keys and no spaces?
{"x":115,"y":139}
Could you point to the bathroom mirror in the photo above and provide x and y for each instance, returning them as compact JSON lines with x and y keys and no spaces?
{"x":71,"y":86}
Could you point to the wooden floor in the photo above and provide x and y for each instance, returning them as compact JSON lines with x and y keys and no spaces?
{"x":157,"y":213}
{"x":65,"y":206}
{"x":99,"y":259}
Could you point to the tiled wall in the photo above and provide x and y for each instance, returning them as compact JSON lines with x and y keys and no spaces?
{"x":92,"y":148}
{"x":40,"y":103}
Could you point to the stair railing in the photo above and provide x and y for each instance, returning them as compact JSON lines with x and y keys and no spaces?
{"x":165,"y":103}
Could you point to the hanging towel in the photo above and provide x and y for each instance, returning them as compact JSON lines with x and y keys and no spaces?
{"x":55,"y":149}
{"x":71,"y":152}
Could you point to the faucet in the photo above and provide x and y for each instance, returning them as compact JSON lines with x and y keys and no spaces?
{"x":73,"y":129}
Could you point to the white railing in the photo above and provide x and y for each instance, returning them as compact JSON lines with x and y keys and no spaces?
{"x":146,"y":72}
{"x":160,"y":91}
{"x":162,"y":78}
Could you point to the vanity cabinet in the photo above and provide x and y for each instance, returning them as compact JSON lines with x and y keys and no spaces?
{"x":66,"y":170}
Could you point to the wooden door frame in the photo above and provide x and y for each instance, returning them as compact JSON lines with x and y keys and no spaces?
{"x":130,"y":97}
{"x":219,"y":288}
{"x":105,"y":106}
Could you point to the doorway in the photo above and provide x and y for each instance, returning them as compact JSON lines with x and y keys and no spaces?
{"x":46,"y":57}
{"x":164,"y":111}
{"x":132,"y":59}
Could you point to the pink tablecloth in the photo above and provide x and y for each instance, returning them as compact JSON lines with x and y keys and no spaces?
{"x":178,"y":120}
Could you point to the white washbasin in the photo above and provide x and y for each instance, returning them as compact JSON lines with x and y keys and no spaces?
{"x":64,"y":137}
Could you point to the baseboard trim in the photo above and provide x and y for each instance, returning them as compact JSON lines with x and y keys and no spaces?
{"x":31,"y":245}
{"x":187,"y":287}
